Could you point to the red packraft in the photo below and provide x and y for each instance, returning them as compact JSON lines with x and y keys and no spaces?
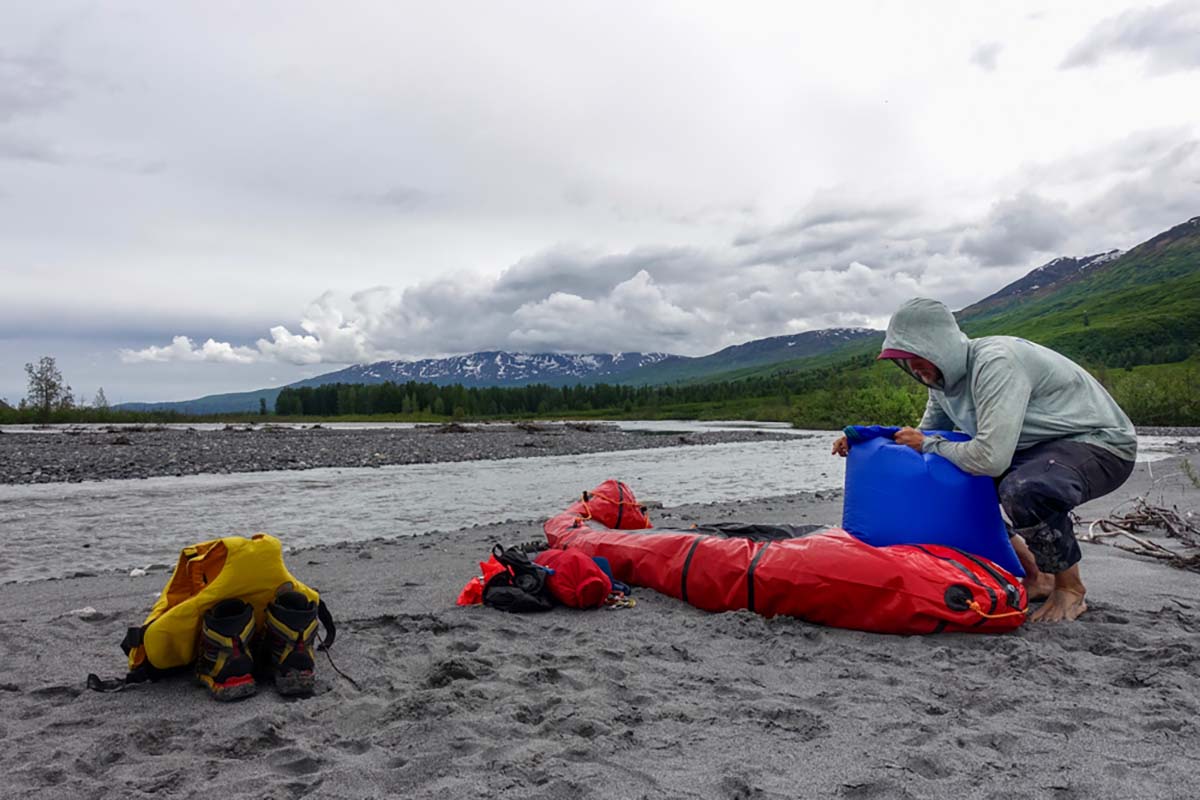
{"x":828,"y":577}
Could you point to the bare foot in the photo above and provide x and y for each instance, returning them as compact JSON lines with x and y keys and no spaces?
{"x":1063,"y":605}
{"x":1038,"y":585}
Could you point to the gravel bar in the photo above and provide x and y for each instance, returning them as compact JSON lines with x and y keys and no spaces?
{"x":75,"y":456}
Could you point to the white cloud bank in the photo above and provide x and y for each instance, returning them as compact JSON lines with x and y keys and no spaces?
{"x":842,"y":260}
{"x":182,"y":348}
{"x":839,"y":262}
{"x":1167,"y":36}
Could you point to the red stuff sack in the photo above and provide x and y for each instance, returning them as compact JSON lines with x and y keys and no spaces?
{"x":472,"y":593}
{"x":613,"y":505}
{"x":577,"y":581}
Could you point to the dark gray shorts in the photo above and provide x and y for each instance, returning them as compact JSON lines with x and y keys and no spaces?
{"x":1044,"y":483}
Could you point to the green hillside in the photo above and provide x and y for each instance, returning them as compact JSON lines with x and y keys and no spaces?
{"x":761,"y":356}
{"x":1142,"y":308}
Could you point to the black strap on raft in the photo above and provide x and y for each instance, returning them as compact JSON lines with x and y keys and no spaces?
{"x":756,"y":532}
{"x":1010,"y":592}
{"x":750,"y":576}
{"x":687,"y":564}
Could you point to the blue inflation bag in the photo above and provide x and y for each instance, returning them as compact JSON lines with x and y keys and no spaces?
{"x":895,"y":495}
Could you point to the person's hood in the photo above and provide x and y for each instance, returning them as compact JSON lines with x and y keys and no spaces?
{"x":926,"y":328}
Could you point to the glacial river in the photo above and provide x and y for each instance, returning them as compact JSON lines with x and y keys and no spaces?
{"x":52,"y":530}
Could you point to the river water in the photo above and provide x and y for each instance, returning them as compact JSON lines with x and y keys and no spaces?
{"x":56,"y":529}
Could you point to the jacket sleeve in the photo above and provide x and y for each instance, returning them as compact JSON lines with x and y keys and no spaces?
{"x":935,"y":417}
{"x":1001,"y":391}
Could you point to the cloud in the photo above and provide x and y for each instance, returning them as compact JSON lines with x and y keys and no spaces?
{"x":833,"y":214}
{"x":1165,"y":188}
{"x":181,"y":348}
{"x":680,"y":300}
{"x":838,"y":262}
{"x":15,"y":147}
{"x":328,"y":336}
{"x":985,"y":55}
{"x":404,"y":198}
{"x":636,"y":314}
{"x":1127,"y":156}
{"x":1017,"y":228}
{"x":1167,"y":35}
{"x":1126,"y":192}
{"x":29,"y":84}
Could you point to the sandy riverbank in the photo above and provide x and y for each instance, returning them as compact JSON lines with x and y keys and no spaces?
{"x":660,"y":700}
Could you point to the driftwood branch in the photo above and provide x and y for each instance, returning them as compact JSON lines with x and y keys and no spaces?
{"x":1124,"y":531}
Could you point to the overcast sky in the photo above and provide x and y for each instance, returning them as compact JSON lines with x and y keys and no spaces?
{"x":201,"y":197}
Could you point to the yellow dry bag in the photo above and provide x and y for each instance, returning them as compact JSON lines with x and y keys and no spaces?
{"x":207,"y":573}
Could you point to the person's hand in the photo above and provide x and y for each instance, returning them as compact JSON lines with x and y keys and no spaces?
{"x":910,"y":437}
{"x":841,"y":447}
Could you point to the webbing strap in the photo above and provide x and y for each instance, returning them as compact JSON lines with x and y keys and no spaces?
{"x":750,"y":576}
{"x":98,"y":684}
{"x":330,"y":629}
{"x":133,"y":638}
{"x":1010,"y":592}
{"x":687,"y":564}
{"x":134,"y":677}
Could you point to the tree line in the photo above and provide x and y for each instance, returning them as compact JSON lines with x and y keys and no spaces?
{"x":854,"y":390}
{"x":341,"y":399}
{"x":829,"y":393}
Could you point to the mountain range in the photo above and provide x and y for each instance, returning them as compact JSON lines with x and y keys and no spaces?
{"x":499,"y":368}
{"x":1113,"y":308}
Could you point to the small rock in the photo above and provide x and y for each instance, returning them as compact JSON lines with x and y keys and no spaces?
{"x":86,"y":613}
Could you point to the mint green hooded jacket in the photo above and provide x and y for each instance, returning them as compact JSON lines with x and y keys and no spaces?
{"x":1006,"y":393}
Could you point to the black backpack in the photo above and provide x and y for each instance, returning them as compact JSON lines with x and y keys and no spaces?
{"x":521,"y":587}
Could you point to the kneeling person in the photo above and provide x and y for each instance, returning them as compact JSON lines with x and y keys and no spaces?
{"x":1045,"y":429}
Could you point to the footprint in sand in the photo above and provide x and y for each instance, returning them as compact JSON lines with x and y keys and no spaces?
{"x":874,"y":790}
{"x":1055,"y":726}
{"x":352,"y":746}
{"x":1172,"y":725}
{"x":928,"y":768}
{"x":56,"y":695}
{"x":446,"y":671}
{"x":297,"y":762}
{"x":739,"y":788}
{"x":529,"y":715}
{"x":49,"y":776}
{"x":549,"y":676}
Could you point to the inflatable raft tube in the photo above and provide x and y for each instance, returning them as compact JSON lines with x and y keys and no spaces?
{"x":827,"y":577}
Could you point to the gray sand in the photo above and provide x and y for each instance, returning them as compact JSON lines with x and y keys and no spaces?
{"x":661,"y":700}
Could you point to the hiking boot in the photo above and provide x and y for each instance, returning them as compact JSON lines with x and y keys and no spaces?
{"x":288,"y":635}
{"x":224,"y":663}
